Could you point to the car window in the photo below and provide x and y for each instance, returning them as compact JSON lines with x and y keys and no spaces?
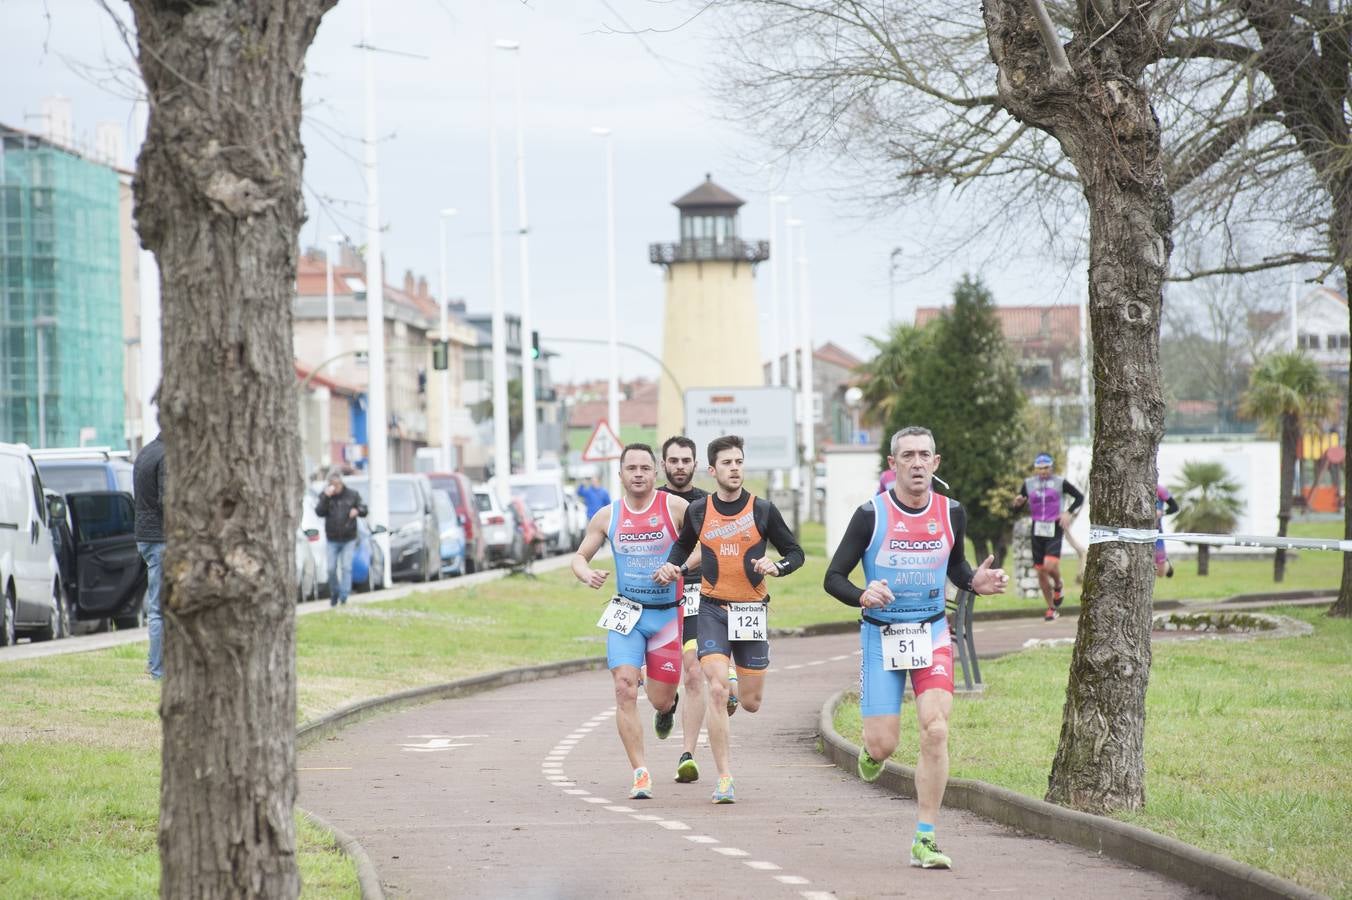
{"x":39,"y":506}
{"x":441,"y":502}
{"x":124,"y":479}
{"x":403,"y":495}
{"x":70,"y":479}
{"x":99,"y":516}
{"x":452,"y":488}
{"x":483,"y":502}
{"x":537,"y":496}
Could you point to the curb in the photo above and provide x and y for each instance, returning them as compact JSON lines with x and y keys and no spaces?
{"x":1277,"y":596}
{"x":368,"y":880}
{"x":1132,"y":844}
{"x":988,"y":615}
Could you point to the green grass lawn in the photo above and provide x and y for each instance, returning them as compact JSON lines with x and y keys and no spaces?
{"x":79,"y":734}
{"x":1248,"y":744}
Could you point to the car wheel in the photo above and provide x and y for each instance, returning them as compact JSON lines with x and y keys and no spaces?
{"x":7,"y":633}
{"x":52,"y":629}
{"x":426,"y":566}
{"x":139,"y":616}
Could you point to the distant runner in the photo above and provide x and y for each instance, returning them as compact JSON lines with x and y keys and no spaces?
{"x":1043,"y":493}
{"x":732,"y":529}
{"x":910,"y":541}
{"x":1165,"y":505}
{"x":643,"y":618}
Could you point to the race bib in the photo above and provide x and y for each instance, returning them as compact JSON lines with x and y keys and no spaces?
{"x":747,"y":622}
{"x":1044,"y":529}
{"x":620,"y":615}
{"x":690,"y":600}
{"x":907,"y":645}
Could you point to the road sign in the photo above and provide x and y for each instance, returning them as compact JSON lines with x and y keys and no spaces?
{"x":763,"y":416}
{"x":603,"y":444}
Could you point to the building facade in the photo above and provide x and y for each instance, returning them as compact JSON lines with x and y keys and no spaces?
{"x":61,"y":329}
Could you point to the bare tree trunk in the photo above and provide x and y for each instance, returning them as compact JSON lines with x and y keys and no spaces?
{"x":1342,"y":607}
{"x":1091,"y":97}
{"x":218,"y":199}
{"x":1290,"y":450}
{"x":1203,"y":559}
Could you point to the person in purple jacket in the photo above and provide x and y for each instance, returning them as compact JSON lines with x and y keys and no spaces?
{"x":1045,"y":494}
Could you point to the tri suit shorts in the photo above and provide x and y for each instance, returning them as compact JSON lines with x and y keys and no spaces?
{"x":655,"y":641}
{"x":881,"y":689}
{"x":749,"y":656}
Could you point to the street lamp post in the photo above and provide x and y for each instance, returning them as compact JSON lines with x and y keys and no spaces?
{"x":809,"y":388}
{"x":854,"y":396}
{"x":529,"y":445}
{"x":444,"y":381}
{"x":502,"y":448}
{"x":377,"y":424}
{"x":792,"y":227}
{"x":892,"y":287}
{"x":613,"y":407}
{"x":331,"y":334}
{"x":40,"y":325}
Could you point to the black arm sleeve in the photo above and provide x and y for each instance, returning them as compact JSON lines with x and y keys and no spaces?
{"x":322,"y":507}
{"x":1076,"y":498}
{"x":959,"y":571}
{"x":778,"y":533}
{"x":1170,"y":506}
{"x":848,"y":553}
{"x":689,"y":536}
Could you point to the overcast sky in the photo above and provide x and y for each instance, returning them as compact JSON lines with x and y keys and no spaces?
{"x":582,"y":67}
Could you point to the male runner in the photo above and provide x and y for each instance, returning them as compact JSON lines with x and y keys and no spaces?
{"x":678,"y":462}
{"x":731,"y":528}
{"x":1165,"y":505}
{"x":910,"y":541}
{"x":643,"y":619}
{"x":1043,"y":494}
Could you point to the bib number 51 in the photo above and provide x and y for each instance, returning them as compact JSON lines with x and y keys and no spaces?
{"x":748,"y":622}
{"x":907,"y":645}
{"x":620,"y":615}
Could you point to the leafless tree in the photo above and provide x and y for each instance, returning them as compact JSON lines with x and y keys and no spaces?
{"x":218,"y":200}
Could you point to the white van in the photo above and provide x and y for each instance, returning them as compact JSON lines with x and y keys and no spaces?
{"x":30,"y":587}
{"x":543,"y":495}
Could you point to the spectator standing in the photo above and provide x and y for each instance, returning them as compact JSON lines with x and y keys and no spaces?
{"x":148,"y":482}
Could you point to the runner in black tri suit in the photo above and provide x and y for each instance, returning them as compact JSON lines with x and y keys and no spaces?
{"x":678,"y":461}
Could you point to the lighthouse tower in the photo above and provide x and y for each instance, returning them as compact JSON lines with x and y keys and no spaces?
{"x":710,"y":332}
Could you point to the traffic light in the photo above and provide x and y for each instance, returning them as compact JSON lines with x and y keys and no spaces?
{"x":535,"y":345}
{"x":440,"y":354}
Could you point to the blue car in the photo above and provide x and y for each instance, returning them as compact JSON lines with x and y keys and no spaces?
{"x":452,"y":533}
{"x":368,"y":563}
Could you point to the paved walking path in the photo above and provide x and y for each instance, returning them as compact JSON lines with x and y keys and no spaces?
{"x":522,"y":792}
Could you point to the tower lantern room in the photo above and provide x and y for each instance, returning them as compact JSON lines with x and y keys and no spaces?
{"x":709,"y":230}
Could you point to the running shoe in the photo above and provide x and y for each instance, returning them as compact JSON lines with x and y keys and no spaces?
{"x":1050,"y":616}
{"x":1169,"y":572}
{"x":643,"y":786}
{"x":1057,"y":597}
{"x":723,"y":793}
{"x":869,"y":768}
{"x":687,"y":770}
{"x":732,"y":690}
{"x":925,"y":854}
{"x":663,"y":721}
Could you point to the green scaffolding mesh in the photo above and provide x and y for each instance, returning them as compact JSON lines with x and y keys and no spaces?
{"x":60,"y":296}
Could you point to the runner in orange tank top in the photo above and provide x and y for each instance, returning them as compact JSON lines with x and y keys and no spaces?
{"x":732,"y":529}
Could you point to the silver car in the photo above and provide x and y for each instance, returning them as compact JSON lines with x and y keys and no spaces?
{"x":501,"y":536}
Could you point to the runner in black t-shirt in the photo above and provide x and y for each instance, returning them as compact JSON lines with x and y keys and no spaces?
{"x":678,"y":461}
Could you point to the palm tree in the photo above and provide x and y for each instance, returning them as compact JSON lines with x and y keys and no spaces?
{"x":1286,"y":392}
{"x":1208,"y":503}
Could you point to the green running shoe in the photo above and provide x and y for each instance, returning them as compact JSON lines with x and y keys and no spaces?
{"x":663,"y":721}
{"x":925,"y":854}
{"x":869,"y":768}
{"x":687,"y":770}
{"x":723,"y":793}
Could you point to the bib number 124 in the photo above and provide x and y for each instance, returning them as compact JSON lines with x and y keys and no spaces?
{"x":747,"y":622}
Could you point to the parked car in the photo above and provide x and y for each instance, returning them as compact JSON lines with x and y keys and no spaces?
{"x":543,"y":493}
{"x":577,"y":514}
{"x":452,"y":535}
{"x":307,"y":577}
{"x":531,"y":538}
{"x":103,"y":575}
{"x":415,"y":539}
{"x":32,"y":598}
{"x":504,"y":538}
{"x":461,"y":492}
{"x":66,"y":471}
{"x":368,"y":562}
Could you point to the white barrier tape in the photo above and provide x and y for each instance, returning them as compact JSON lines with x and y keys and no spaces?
{"x":1100,"y":534}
